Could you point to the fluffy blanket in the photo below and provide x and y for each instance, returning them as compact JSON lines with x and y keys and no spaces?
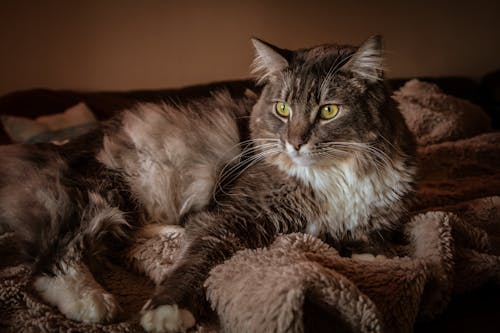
{"x":299,"y":283}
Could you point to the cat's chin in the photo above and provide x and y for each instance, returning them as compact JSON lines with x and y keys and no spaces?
{"x":286,"y":161}
{"x":301,"y":161}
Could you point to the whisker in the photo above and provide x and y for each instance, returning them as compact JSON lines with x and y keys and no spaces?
{"x":337,"y":64}
{"x":330,"y":71}
{"x":380,"y":158}
{"x":226,"y":171}
{"x":252,"y":161}
{"x":231,"y":167}
{"x":370,"y":149}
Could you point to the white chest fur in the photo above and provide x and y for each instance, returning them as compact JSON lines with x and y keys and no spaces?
{"x":348,"y":200}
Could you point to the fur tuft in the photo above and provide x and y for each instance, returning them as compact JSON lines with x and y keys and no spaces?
{"x":368,"y":62}
{"x":99,"y":219}
{"x":268,"y":61}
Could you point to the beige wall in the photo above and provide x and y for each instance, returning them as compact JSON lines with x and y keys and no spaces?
{"x":129,"y":44}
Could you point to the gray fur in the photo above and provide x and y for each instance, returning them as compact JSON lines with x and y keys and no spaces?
{"x":69,"y":204}
{"x":347,"y":179}
{"x":170,"y":156}
{"x":56,"y":213}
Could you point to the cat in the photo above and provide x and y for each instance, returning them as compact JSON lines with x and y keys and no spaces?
{"x":70,"y":204}
{"x":329,"y":155}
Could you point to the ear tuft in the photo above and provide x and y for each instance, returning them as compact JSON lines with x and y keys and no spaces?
{"x":269,"y":60}
{"x":368,"y":62}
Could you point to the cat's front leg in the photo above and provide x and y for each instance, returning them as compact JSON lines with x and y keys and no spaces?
{"x":181,"y":296}
{"x":174,"y":304}
{"x":210,"y":239}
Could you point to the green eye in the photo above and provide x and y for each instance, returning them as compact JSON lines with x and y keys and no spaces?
{"x":328,"y":111}
{"x":282,"y":109}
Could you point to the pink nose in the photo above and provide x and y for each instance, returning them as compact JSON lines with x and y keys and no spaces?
{"x":297,"y":145}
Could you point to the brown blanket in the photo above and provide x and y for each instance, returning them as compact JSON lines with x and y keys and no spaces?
{"x":300,"y":282}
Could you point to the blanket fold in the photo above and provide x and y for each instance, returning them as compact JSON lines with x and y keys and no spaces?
{"x":265,"y":290}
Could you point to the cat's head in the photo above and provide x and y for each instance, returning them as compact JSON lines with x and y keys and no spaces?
{"x":319,"y":106}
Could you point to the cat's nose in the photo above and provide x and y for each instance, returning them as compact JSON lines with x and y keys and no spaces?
{"x":297,"y":141}
{"x":298,"y":132}
{"x":296,"y":144}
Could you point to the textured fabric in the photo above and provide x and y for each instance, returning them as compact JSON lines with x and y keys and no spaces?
{"x":75,"y":121}
{"x":437,"y":117}
{"x":300,"y":283}
{"x":265,"y":290}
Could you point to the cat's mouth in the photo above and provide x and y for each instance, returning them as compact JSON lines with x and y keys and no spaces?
{"x":300,"y":157}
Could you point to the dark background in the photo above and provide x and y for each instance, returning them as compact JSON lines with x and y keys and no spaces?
{"x":146,"y":44}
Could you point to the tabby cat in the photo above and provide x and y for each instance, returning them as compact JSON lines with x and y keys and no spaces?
{"x":329,"y":155}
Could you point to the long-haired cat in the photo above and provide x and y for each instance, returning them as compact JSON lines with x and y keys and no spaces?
{"x":329,"y":155}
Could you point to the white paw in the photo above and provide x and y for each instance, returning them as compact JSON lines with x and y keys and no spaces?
{"x":167,"y":319}
{"x":95,"y":307}
{"x":87,"y":304}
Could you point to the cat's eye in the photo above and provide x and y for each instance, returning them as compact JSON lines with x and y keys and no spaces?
{"x":282,"y":109}
{"x":328,"y":111}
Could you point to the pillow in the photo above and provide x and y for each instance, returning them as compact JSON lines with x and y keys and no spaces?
{"x":57,"y":128}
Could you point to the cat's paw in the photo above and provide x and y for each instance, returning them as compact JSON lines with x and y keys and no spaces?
{"x":95,"y":307}
{"x":89,"y":305}
{"x":167,"y":319}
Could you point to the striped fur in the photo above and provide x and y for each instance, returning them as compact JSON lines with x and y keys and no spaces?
{"x":348,"y":179}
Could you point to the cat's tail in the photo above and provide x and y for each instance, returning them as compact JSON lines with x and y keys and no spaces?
{"x":99,"y":228}
{"x":101,"y":221}
{"x":66,"y":230}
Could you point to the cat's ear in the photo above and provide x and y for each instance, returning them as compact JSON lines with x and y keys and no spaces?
{"x":269,"y":60}
{"x":368,"y":62}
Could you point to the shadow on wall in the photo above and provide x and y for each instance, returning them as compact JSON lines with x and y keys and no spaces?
{"x":96,"y":45}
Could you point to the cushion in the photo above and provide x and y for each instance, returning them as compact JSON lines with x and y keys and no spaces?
{"x":58,"y":127}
